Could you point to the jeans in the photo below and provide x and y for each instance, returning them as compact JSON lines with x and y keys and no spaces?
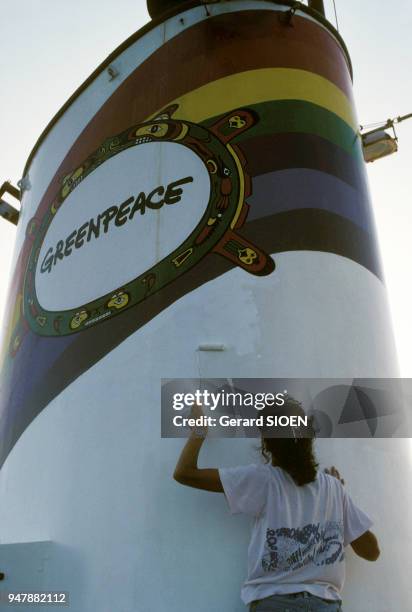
{"x":304,"y":602}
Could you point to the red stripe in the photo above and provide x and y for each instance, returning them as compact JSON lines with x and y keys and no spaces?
{"x":210,"y":50}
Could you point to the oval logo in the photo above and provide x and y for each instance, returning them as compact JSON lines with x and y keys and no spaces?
{"x":121,"y":220}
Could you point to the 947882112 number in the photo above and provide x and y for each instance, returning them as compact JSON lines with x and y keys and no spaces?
{"x":58,"y":598}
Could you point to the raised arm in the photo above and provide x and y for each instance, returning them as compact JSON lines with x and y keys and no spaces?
{"x":366,"y":545}
{"x":186,"y":470}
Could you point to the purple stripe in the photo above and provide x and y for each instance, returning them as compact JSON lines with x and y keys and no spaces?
{"x":299,"y":188}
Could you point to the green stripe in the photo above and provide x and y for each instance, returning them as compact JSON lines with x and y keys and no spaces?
{"x":283,"y":116}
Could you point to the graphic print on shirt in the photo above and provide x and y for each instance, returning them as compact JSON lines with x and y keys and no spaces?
{"x":290,"y":549}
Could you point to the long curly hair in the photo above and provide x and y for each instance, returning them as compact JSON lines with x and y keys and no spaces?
{"x":295,"y":453}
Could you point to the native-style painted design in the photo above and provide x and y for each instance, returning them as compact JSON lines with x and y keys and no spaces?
{"x":225,"y":213}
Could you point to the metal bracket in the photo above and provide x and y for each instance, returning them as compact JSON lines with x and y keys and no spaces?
{"x":24,"y":184}
{"x":7,"y":211}
{"x":287,"y":16}
{"x":112,"y":72}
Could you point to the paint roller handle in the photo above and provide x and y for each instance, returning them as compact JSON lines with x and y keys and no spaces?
{"x":199,"y":431}
{"x":187,"y":471}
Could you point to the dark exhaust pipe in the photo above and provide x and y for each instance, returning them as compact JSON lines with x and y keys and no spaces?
{"x":317,"y":5}
{"x":156,"y":8}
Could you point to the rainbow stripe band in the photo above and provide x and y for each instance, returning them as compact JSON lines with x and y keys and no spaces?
{"x":263,"y":85}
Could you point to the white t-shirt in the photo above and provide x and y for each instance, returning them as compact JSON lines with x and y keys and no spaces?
{"x":298,"y":534}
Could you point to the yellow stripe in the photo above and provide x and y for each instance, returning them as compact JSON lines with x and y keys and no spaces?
{"x":241,"y":187}
{"x":255,"y":86}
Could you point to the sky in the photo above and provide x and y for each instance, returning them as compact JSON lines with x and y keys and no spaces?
{"x":46,"y":54}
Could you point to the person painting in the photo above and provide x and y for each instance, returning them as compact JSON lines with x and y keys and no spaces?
{"x":303,"y":519}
